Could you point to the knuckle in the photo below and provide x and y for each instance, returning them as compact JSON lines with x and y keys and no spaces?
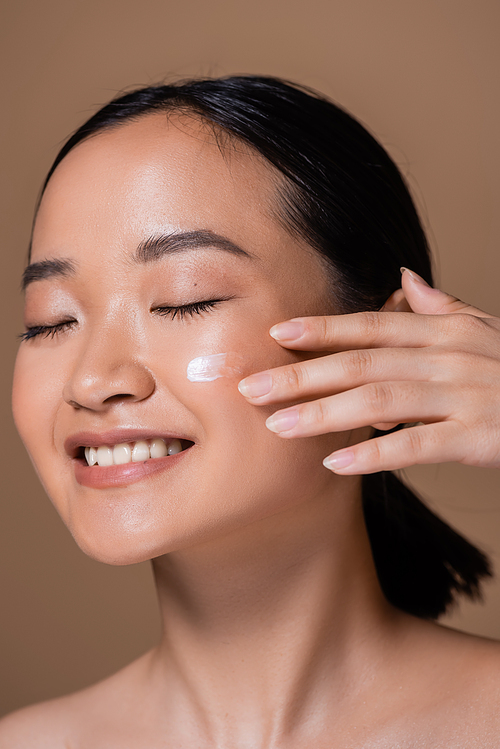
{"x":378,"y":400}
{"x":295,"y":378}
{"x":464,"y":324}
{"x":457,"y":362}
{"x":357,"y":364}
{"x":316,"y":326}
{"x":472,"y":437}
{"x":324,"y":327}
{"x":321,"y":330}
{"x":414,"y":441}
{"x":373,"y":325}
{"x":373,"y":452}
{"x":318,"y":413}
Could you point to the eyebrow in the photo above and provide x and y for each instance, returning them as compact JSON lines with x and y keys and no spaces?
{"x":60,"y":268}
{"x":156,"y":247}
{"x":150,"y":250}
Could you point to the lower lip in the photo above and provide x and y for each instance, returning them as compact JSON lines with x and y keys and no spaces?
{"x":107,"y":477}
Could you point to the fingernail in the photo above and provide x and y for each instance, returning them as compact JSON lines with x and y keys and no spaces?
{"x":283,"y":421}
{"x":340,"y":459}
{"x":287,"y":331}
{"x":415,"y":276}
{"x":256,"y":385}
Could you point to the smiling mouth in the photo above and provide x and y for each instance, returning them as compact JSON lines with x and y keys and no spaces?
{"x":131,"y":452}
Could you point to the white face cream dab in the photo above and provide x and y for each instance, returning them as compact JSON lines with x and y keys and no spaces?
{"x":213,"y":366}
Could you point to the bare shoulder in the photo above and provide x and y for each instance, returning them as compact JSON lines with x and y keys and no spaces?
{"x":471,"y":692}
{"x":42,"y":726}
{"x":458,"y":678}
{"x":475,"y":658}
{"x":479,"y":667}
{"x":439,"y":688}
{"x":63,"y":722}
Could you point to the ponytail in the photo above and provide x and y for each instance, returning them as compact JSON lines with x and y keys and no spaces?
{"x":422,"y":563}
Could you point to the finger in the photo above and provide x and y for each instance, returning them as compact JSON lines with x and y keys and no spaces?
{"x":397,"y":302}
{"x":333,"y":333}
{"x":430,"y":443}
{"x":338,"y":372}
{"x":363,"y":330}
{"x":399,"y":402}
{"x":425,"y":300}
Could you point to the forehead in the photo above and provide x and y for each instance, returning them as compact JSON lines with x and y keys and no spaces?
{"x":158,"y":172}
{"x":171,"y":176}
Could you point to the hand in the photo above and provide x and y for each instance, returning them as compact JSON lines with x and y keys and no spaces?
{"x":439,"y":368}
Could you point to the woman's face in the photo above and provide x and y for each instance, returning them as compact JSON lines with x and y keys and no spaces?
{"x":147,"y":217}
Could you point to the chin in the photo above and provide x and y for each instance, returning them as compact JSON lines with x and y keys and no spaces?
{"x":158,"y":516}
{"x":118,"y":533}
{"x":126,"y":533}
{"x":114,"y":549}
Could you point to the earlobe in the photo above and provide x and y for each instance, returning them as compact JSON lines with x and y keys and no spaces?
{"x":397,"y":303}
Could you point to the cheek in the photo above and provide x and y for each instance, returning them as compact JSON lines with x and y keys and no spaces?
{"x":34,"y":400}
{"x":250,"y":473}
{"x":35,"y":403}
{"x":253,"y":471}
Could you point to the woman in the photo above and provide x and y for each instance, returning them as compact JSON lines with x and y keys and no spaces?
{"x":213,"y":307}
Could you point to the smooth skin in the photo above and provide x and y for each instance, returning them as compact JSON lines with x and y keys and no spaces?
{"x":275,"y":630}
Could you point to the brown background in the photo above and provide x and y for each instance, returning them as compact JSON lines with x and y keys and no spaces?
{"x":423,"y":74}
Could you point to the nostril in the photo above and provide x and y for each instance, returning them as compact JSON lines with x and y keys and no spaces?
{"x":117,"y":397}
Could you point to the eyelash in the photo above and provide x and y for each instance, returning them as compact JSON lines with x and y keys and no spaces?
{"x":195,"y":308}
{"x":46,"y":331}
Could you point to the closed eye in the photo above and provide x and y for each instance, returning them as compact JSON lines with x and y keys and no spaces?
{"x":46,"y":331}
{"x":184,"y":310}
{"x":181,"y":311}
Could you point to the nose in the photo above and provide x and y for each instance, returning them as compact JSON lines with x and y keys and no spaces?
{"x":109,"y":371}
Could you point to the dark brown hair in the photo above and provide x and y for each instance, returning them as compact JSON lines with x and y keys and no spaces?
{"x":345,"y":196}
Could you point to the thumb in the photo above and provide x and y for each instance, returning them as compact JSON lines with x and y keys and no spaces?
{"x":425,"y":300}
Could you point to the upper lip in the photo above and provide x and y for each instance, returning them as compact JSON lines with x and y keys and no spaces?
{"x":115,"y":437}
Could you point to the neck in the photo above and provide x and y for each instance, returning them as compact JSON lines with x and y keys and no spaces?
{"x":252,"y":623}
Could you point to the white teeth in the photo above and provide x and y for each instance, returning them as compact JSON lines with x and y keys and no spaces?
{"x":174,"y":447}
{"x":140,"y":452}
{"x":158,"y":449}
{"x":104,"y":455}
{"x":122,"y":454}
{"x":91,"y":455}
{"x":136,"y":452}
